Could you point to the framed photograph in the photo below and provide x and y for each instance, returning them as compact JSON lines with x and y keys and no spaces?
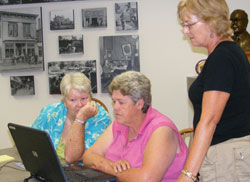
{"x":57,"y":70}
{"x":126,"y":16}
{"x":21,"y":39}
{"x":94,"y":18}
{"x":70,"y":44}
{"x":22,"y":85}
{"x":118,"y":54}
{"x":62,"y":19}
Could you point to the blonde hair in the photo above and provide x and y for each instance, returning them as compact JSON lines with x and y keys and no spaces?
{"x":74,"y":80}
{"x":134,"y":84}
{"x":213,"y":12}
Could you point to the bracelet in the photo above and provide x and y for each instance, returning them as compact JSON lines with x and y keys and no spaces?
{"x":80,"y":121}
{"x":189,"y":174}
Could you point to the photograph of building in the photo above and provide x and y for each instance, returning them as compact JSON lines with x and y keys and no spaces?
{"x":62,"y":19}
{"x":21,"y":42}
{"x":94,"y":18}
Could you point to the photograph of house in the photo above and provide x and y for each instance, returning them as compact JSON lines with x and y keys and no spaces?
{"x":62,"y":19}
{"x":21,"y":42}
{"x":94,"y":18}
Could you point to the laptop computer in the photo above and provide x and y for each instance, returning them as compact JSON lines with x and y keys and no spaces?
{"x":40,"y":159}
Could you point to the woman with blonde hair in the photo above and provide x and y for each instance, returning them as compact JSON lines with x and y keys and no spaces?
{"x":220,"y":96}
{"x":75,"y":123}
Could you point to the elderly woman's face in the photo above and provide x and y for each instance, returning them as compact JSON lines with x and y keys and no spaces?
{"x":75,"y":100}
{"x":124,"y":107}
{"x":197,"y":31}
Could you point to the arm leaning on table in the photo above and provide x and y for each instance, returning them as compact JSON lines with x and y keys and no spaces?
{"x":158,"y":155}
{"x":82,"y":136}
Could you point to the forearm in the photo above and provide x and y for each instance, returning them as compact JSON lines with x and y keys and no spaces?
{"x":202,"y":140}
{"x":98,"y":162}
{"x":74,"y":147}
{"x":134,"y":175}
{"x":213,"y":104}
{"x":102,"y":164}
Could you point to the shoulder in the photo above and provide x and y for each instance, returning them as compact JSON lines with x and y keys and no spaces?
{"x":54,"y":106}
{"x":155,"y":120}
{"x":158,"y":119}
{"x":223,"y":56}
{"x":102,"y":117}
{"x":227,"y":49}
{"x":102,"y":111}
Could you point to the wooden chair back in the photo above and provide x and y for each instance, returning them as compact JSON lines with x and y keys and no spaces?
{"x":101,"y":103}
{"x":187,"y":134}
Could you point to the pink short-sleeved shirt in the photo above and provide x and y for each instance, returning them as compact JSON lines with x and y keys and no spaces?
{"x":133,"y":151}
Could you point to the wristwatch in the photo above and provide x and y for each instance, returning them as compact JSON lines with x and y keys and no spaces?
{"x":189,"y":174}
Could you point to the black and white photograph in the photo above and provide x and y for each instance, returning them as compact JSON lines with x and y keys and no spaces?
{"x":62,"y":19}
{"x":21,"y":43}
{"x":126,"y":16}
{"x":70,"y":44}
{"x":56,"y":71}
{"x":22,"y":85}
{"x":118,"y":54}
{"x":94,"y":18}
{"x":9,"y":2}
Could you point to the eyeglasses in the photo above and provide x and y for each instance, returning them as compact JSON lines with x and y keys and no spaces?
{"x":188,"y":25}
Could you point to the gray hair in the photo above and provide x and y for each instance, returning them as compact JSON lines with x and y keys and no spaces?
{"x":74,"y":80}
{"x":133,"y":84}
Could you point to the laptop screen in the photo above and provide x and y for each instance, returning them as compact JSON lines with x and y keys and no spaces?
{"x":37,"y":152}
{"x":40,"y":159}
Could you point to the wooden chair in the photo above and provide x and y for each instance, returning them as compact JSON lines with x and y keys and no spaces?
{"x":101,"y":103}
{"x":187,"y":134}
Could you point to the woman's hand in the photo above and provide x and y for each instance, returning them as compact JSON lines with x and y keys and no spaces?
{"x":87,"y":111}
{"x":120,"y":166}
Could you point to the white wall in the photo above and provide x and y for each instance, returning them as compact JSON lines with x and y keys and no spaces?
{"x":166,"y":57}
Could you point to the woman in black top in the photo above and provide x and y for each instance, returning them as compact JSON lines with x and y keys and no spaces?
{"x":220,"y":96}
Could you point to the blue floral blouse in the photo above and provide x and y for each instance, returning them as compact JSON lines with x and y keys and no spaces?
{"x":53,"y":116}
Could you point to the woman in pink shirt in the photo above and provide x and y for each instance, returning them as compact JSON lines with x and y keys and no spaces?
{"x":141,"y":144}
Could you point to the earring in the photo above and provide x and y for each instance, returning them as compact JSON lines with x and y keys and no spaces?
{"x":211,"y":35}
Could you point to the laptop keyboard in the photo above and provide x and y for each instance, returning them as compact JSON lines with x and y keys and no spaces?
{"x":71,"y":176}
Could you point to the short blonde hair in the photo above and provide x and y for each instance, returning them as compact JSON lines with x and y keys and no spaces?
{"x":133,"y":84}
{"x":74,"y":80}
{"x":213,"y":12}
